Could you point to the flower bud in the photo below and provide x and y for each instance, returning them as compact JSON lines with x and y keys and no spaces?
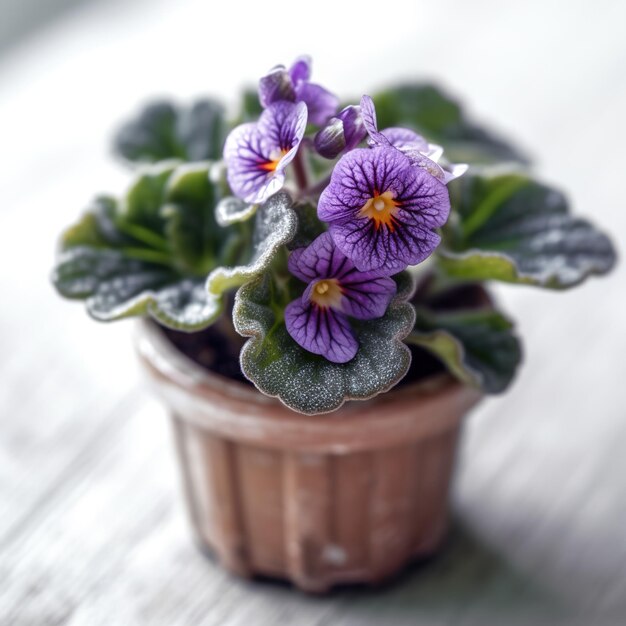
{"x":342,"y":133}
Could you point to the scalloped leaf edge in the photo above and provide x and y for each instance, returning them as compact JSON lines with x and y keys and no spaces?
{"x":223,"y":278}
{"x":472,"y":264}
{"x":232,"y":210}
{"x":254,"y":330}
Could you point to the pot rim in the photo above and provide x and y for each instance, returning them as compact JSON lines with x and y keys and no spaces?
{"x":241,"y":412}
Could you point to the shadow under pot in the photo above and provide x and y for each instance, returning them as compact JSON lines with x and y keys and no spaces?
{"x":349,"y":497}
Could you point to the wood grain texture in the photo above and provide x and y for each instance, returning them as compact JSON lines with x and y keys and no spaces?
{"x":92,"y":525}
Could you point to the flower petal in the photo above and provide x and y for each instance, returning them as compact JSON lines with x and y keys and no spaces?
{"x":419,"y":160}
{"x":275,"y":86}
{"x":298,"y":269}
{"x":368,"y":111}
{"x":247,"y":154}
{"x":421,"y":205}
{"x":320,"y":259}
{"x":283,"y":124}
{"x":300,"y":71}
{"x":321,"y":331}
{"x":453,"y":171}
{"x":257,"y":154}
{"x":414,"y":146}
{"x":357,"y":177}
{"x":405,"y":139}
{"x":321,"y":103}
{"x":366,"y":295}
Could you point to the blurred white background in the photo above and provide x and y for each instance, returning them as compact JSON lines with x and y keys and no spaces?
{"x":543,"y":478}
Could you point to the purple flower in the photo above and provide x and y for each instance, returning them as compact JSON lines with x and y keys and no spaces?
{"x":343,"y":132}
{"x":415,"y":147}
{"x":293,"y":85}
{"x":257,"y":153}
{"x":318,"y":320}
{"x":383,"y":210}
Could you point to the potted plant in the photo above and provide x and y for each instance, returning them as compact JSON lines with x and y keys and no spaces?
{"x":300,"y":258}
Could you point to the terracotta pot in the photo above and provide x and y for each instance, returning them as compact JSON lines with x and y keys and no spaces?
{"x":348,"y":497}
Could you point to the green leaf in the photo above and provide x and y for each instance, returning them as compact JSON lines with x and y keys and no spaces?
{"x":308,"y":383}
{"x":428,"y":110}
{"x":232,"y":210}
{"x":143,"y":201}
{"x":188,"y":204}
{"x":478,"y":347}
{"x":115,"y":286}
{"x":96,"y":227}
{"x":309,"y":226}
{"x":153,"y":254}
{"x":163,"y":130}
{"x":514,"y":229}
{"x":275,"y":225}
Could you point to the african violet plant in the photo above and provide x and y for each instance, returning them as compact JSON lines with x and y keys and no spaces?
{"x":324,"y":224}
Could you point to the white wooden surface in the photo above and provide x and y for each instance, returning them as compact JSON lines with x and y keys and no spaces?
{"x":92,"y":529}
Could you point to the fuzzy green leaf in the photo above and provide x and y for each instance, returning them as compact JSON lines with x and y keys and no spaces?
{"x":275,"y":226}
{"x":306,"y":382}
{"x":232,"y":210}
{"x":478,"y":347}
{"x":151,"y":252}
{"x":143,"y":202}
{"x":163,"y":130}
{"x":188,"y":209}
{"x":428,"y":110}
{"x":514,"y":229}
{"x":96,"y":227}
{"x":309,"y":226}
{"x":115,"y":286}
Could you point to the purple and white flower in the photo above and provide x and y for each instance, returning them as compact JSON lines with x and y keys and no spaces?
{"x":383,"y":210}
{"x":415,"y":147}
{"x":318,"y":320}
{"x":258,"y":153}
{"x":342,"y":133}
{"x":292,"y":85}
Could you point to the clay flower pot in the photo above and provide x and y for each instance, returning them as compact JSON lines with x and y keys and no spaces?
{"x":348,"y":497}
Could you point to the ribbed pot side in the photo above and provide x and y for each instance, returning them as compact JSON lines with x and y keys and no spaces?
{"x":348,"y":497}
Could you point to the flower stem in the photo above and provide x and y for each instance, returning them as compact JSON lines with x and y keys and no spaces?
{"x":318,"y":187}
{"x":299,"y":169}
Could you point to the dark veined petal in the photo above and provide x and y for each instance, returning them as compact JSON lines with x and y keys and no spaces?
{"x":247,"y":154}
{"x":283,"y":124}
{"x":366,"y":295}
{"x":320,"y":259}
{"x":415,"y":203}
{"x":321,"y":330}
{"x":257,"y":154}
{"x":382,"y":251}
{"x":303,"y":272}
{"x":357,"y":177}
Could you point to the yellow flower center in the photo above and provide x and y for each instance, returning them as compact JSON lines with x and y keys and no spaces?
{"x":275,"y":157}
{"x":327,"y":293}
{"x":381,"y":208}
